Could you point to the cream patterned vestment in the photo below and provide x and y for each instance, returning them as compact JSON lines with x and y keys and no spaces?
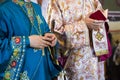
{"x":44,"y":8}
{"x":73,"y":32}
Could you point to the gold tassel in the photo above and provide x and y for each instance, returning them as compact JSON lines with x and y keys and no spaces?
{"x":43,"y":52}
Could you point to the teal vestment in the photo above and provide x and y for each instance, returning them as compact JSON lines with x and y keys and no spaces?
{"x":18,"y":61}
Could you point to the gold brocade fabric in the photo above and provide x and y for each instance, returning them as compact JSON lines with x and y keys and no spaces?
{"x":72,"y":32}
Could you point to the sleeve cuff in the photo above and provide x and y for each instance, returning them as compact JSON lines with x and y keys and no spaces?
{"x":20,"y":41}
{"x":27,"y":41}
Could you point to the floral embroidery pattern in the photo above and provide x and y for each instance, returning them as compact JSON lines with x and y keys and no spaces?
{"x":24,"y":76}
{"x":39,"y":20}
{"x":17,"y":40}
{"x":18,"y":2}
{"x":13,"y":70}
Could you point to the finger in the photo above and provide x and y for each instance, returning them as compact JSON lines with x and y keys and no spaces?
{"x":43,"y":45}
{"x":47,"y":39}
{"x":49,"y":35}
{"x":53,"y":37}
{"x":98,"y":22}
{"x":54,"y":42}
{"x":96,"y":28}
{"x":46,"y":43}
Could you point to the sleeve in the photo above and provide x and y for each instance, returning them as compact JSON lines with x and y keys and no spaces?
{"x":97,"y":5}
{"x":54,"y":16}
{"x":9,"y":44}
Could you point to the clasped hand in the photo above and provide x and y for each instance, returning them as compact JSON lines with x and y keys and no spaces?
{"x":94,"y":24}
{"x":40,"y":42}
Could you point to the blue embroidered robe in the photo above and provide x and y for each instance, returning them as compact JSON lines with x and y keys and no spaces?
{"x":18,"y":61}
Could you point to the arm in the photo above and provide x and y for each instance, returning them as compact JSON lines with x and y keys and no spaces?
{"x":47,"y":36}
{"x":8,"y":42}
{"x":93,"y":23}
{"x":97,"y":5}
{"x":54,"y":14}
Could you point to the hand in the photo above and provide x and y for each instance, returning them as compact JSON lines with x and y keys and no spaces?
{"x":38,"y":42}
{"x":51,"y":38}
{"x":93,"y":24}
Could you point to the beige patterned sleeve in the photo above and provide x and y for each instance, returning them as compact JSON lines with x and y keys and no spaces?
{"x":54,"y":14}
{"x":97,"y":5}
